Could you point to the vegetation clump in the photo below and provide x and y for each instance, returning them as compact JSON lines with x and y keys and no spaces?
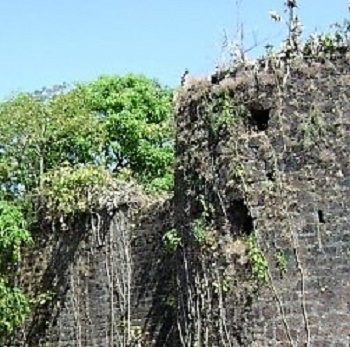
{"x":258,"y":263}
{"x":14,"y":305}
{"x":137,"y":116}
{"x":70,"y":188}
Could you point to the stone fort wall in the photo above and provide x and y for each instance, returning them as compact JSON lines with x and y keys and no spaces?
{"x":261,"y":154}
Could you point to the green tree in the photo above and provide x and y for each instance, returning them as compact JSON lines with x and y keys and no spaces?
{"x":137,"y":113}
{"x":121,"y":123}
{"x":39,"y":134}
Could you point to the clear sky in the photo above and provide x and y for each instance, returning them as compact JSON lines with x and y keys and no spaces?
{"x":46,"y":42}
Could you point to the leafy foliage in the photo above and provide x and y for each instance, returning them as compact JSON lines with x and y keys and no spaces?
{"x":257,"y":260}
{"x":71,"y":188}
{"x":121,"y":123}
{"x":13,"y":233}
{"x":199,"y":231}
{"x":281,"y":261}
{"x":171,"y":240}
{"x":222,"y":112}
{"x":39,"y":135}
{"x":74,"y":134}
{"x":137,"y":115}
{"x":14,"y":305}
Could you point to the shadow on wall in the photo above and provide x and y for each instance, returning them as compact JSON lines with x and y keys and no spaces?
{"x":48,"y":271}
{"x":154,"y":286}
{"x":52,"y":266}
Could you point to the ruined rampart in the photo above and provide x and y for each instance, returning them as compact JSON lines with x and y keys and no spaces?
{"x":262,"y":161}
{"x":259,"y":240}
{"x":103,"y":276}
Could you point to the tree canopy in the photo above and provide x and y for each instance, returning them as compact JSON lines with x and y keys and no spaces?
{"x":120,"y":123}
{"x":137,"y":115}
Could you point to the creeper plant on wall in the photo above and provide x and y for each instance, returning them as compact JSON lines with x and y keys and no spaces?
{"x":257,"y":260}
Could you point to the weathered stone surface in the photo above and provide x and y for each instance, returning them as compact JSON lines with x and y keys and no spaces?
{"x":293,"y":178}
{"x":104,"y":270}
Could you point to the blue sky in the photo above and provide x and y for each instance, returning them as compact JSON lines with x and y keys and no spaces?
{"x":47,"y":42}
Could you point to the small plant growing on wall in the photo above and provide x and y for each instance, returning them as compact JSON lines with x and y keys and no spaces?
{"x":281,"y":261}
{"x":171,"y":240}
{"x":257,"y":260}
{"x":313,"y":128}
{"x":199,"y":232}
{"x":223,"y":112}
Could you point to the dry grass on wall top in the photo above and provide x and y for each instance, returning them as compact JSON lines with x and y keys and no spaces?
{"x":88,"y":189}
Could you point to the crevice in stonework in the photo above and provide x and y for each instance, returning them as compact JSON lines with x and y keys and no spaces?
{"x":321,"y":217}
{"x":270,"y":176}
{"x":259,"y":119}
{"x":240,"y":219}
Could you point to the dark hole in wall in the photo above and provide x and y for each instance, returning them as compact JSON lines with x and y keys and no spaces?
{"x":270,"y":176}
{"x":259,"y":119}
{"x":321,"y":217}
{"x":240,"y":218}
